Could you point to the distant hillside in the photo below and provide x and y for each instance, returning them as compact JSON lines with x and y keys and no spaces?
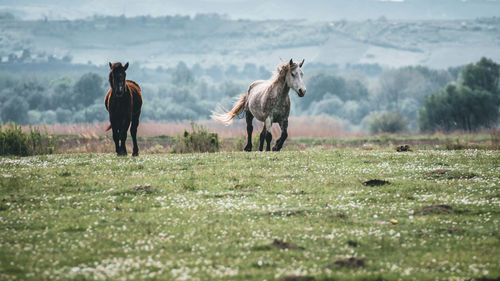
{"x":317,"y":10}
{"x":217,"y":40}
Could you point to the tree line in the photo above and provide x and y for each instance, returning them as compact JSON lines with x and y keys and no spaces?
{"x":404,"y":99}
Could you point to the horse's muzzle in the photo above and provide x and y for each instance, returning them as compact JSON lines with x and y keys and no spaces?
{"x":301,"y":92}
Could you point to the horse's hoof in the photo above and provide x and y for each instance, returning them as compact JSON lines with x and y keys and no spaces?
{"x":276,"y":149}
{"x":135,"y":154}
{"x":248,"y":149}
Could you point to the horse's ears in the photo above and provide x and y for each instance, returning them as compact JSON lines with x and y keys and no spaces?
{"x":301,"y":63}
{"x":291,"y":62}
{"x":125,"y":66}
{"x":110,"y":65}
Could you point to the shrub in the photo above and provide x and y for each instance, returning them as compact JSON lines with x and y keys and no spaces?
{"x":198,"y":140}
{"x":13,"y":141}
{"x":387,"y":122}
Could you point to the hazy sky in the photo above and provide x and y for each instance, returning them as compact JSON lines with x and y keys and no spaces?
{"x":258,"y":9}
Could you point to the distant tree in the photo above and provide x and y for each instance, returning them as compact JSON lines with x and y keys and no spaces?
{"x":15,"y":109}
{"x":483,"y":75}
{"x":25,"y":56}
{"x":403,"y":90}
{"x":232,"y":71}
{"x":63,"y":96}
{"x":182,"y":75}
{"x":215,"y":72}
{"x":386,"y":122}
{"x":330,"y":105}
{"x":35,"y":93}
{"x":87,"y":90}
{"x":392,"y":86}
{"x":250,"y":71}
{"x":329,"y":94}
{"x":264,"y":73}
{"x":64,"y":116}
{"x":197,"y":70}
{"x":471,"y":105}
{"x":413,"y":82}
{"x":320,"y":84}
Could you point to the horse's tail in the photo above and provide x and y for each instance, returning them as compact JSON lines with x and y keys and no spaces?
{"x":108,"y":128}
{"x":227,"y":117}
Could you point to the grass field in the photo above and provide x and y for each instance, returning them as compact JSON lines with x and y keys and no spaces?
{"x":293,"y":215}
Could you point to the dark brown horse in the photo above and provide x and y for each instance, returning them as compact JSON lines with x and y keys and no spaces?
{"x":123,"y":102}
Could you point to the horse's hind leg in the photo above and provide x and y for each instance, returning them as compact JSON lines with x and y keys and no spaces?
{"x":262,"y":138}
{"x":284,"y":135}
{"x":266,"y":135}
{"x":269,"y":136}
{"x":133,"y":133}
{"x":249,"y":118}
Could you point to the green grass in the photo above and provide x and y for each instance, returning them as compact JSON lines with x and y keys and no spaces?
{"x":215,"y":216}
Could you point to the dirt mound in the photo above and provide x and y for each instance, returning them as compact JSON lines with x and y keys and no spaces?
{"x":433,"y":209}
{"x":353,"y":243}
{"x":349,"y":263}
{"x":375,"y":182}
{"x":403,"y":148}
{"x":437,"y":172}
{"x":449,"y":174}
{"x":146,"y":187}
{"x":280,"y":244}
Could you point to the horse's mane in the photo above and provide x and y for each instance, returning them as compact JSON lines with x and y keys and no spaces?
{"x":281,"y":71}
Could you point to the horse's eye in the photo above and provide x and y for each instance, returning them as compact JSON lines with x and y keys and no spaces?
{"x":293,"y":75}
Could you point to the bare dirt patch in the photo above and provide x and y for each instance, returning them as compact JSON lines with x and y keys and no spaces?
{"x":437,"y":172}
{"x":146,"y":187}
{"x":434,"y":209}
{"x":287,"y":212}
{"x":348,"y":263}
{"x":375,"y":182}
{"x":449,"y":174}
{"x":353,"y":243}
{"x":280,"y":244}
{"x":403,"y":148}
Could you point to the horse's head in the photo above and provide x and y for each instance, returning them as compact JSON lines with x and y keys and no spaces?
{"x":117,"y":77}
{"x":294,"y":78}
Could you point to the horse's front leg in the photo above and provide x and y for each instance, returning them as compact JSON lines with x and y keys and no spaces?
{"x":249,"y":118}
{"x":284,"y":135}
{"x":123,"y":137}
{"x":116,"y":139}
